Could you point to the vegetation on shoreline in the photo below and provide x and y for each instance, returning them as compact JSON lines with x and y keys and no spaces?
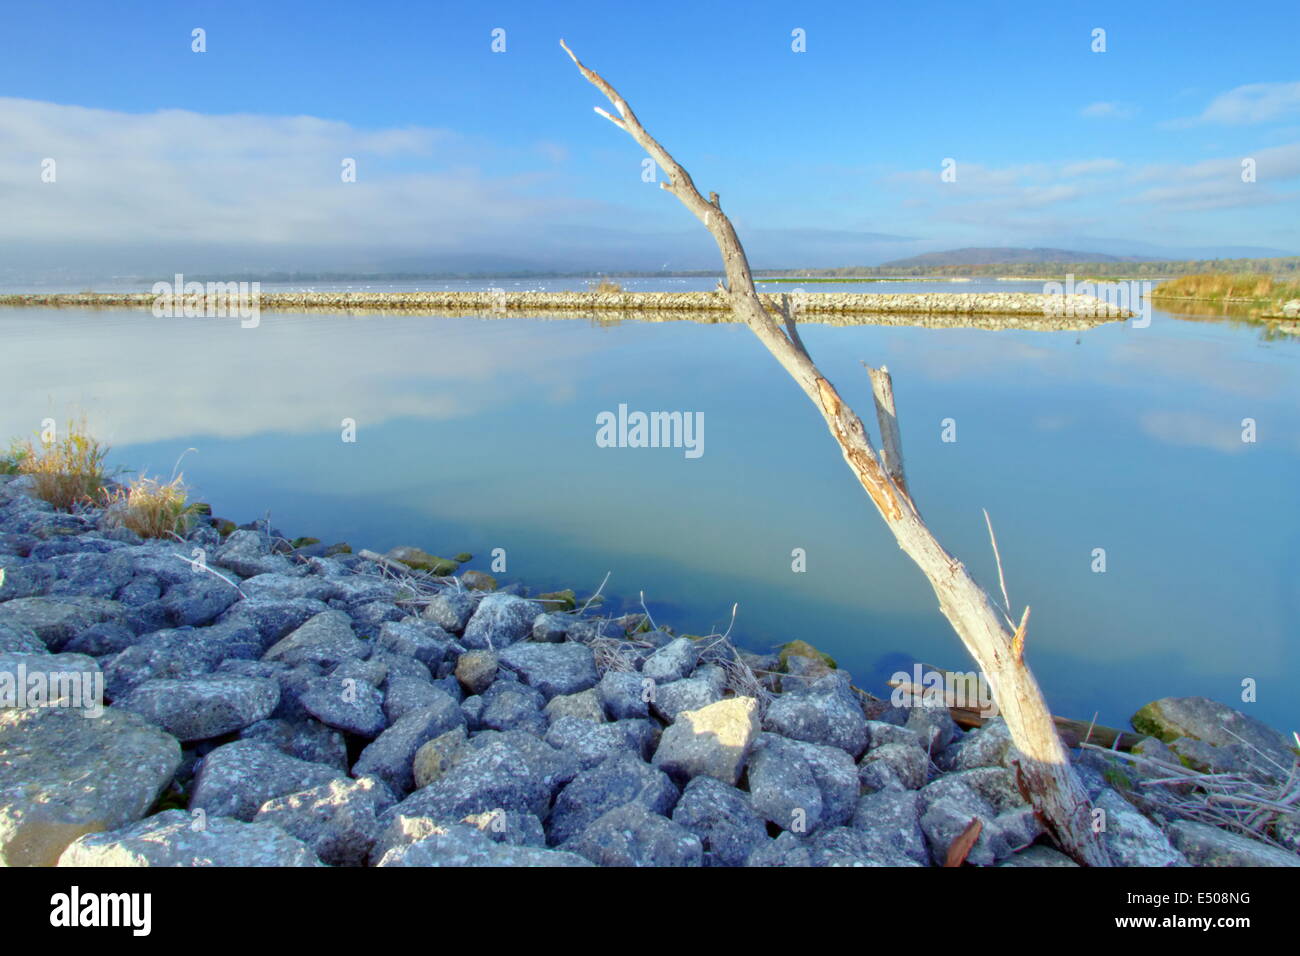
{"x":1249,"y":288}
{"x":1282,"y":267}
{"x":69,"y":472}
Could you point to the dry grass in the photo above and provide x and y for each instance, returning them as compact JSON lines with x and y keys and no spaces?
{"x":1249,"y":802}
{"x":603,"y":286}
{"x":1252,"y":287}
{"x":65,"y":472}
{"x":152,"y":508}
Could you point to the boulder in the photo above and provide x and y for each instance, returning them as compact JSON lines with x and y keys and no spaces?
{"x":552,"y":668}
{"x":618,"y":780}
{"x":632,"y":835}
{"x":724,"y":820}
{"x":200,"y":708}
{"x":235,"y":779}
{"x":391,"y":755}
{"x":174,"y":838}
{"x":64,"y":775}
{"x":499,"y":621}
{"x":824,"y":712}
{"x":713,"y":740}
{"x":1205,"y":845}
{"x":339,"y":820}
{"x":326,"y":639}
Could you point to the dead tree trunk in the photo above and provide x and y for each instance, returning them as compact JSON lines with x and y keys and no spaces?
{"x":1044,"y":772}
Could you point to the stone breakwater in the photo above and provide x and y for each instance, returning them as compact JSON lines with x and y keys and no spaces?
{"x":289,"y":704}
{"x":488,"y":302}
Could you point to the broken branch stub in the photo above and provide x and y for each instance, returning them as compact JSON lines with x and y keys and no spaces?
{"x":1044,"y":771}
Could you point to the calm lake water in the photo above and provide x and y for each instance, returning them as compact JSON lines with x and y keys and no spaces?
{"x":474,"y":434}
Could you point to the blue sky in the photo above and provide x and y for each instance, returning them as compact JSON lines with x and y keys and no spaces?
{"x":468,"y":158}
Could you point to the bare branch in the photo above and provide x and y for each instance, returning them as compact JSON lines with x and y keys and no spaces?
{"x":1044,"y":769}
{"x":891,"y":442}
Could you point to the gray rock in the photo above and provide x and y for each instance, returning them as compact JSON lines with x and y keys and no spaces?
{"x":199,"y":708}
{"x":590,"y":743}
{"x":786,"y":850}
{"x":934,"y":725}
{"x":631,"y":835}
{"x":44,"y":679}
{"x":1132,"y":839}
{"x":499,"y":621}
{"x":802,"y":786}
{"x":988,"y":746}
{"x":57,"y":620}
{"x":508,"y":770}
{"x":425,"y":641}
{"x":510,"y":705}
{"x":405,"y":694}
{"x":174,"y":838}
{"x":625,"y":694}
{"x":552,"y":668}
{"x":451,"y":610}
{"x":690,"y":693}
{"x":235,"y":779}
{"x":824,"y":712}
{"x":466,"y":845}
{"x":198,"y":601}
{"x":326,"y":639}
{"x":30,"y":579}
{"x":288,"y":587}
{"x":339,"y":820}
{"x":724,"y":820}
{"x":306,"y":739}
{"x":248,"y":553}
{"x":102,"y":640}
{"x":890,"y":824}
{"x":618,"y":780}
{"x":1038,"y":855}
{"x":900,"y":766}
{"x":353,"y":706}
{"x":713,"y":740}
{"x":1218,"y":725}
{"x":671,"y":662}
{"x":368,"y":618}
{"x":177,"y":654}
{"x":63,"y":775}
{"x":987,"y":793}
{"x":273,"y":620}
{"x":390,"y":756}
{"x":584,"y":705}
{"x":846,"y":846}
{"x":20,"y":639}
{"x":1205,"y":845}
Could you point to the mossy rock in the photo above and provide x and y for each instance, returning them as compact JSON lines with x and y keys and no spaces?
{"x":478,"y":581}
{"x":803,"y":649}
{"x":564,"y":600}
{"x":304,"y":542}
{"x":419,"y":560}
{"x":463,"y":557}
{"x":224,"y":526}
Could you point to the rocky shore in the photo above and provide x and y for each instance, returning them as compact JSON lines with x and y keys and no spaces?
{"x":502,"y":302}
{"x":287,"y":703}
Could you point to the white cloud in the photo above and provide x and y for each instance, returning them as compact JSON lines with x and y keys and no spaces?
{"x":1106,"y":110}
{"x":175,"y":175}
{"x":1253,"y":103}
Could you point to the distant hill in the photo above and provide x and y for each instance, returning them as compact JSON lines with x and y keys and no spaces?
{"x":979,"y":256}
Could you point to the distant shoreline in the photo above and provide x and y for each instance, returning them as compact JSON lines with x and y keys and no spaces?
{"x":502,"y":302}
